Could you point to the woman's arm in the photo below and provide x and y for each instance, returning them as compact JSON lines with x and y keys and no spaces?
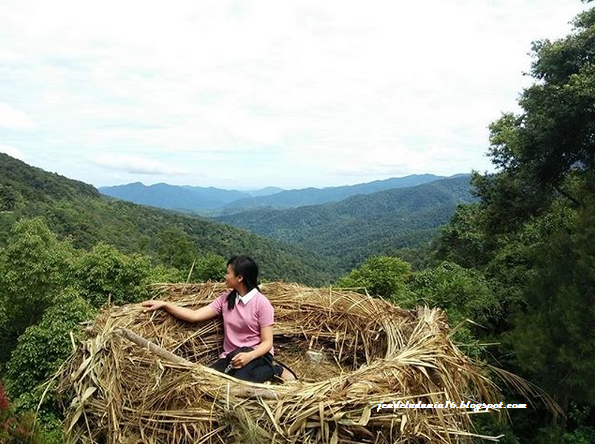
{"x":185,"y":314}
{"x":266,"y":343}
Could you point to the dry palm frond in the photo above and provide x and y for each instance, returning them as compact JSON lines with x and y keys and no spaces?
{"x":373,"y":353}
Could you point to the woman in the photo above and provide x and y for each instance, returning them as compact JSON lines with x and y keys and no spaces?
{"x":248,"y":318}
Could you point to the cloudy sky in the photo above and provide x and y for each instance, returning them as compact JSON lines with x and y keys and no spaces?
{"x":244,"y":94}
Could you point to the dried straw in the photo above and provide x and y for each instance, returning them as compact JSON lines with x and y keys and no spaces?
{"x":374,"y":353}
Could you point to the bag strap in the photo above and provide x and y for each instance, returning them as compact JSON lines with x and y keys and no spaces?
{"x":284,"y":366}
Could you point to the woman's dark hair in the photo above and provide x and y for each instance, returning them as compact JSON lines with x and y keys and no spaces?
{"x":246,"y":267}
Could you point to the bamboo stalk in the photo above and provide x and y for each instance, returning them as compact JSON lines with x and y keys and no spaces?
{"x":159,"y":351}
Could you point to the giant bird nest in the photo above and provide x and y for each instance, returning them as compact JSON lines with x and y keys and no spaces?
{"x":372,"y":353}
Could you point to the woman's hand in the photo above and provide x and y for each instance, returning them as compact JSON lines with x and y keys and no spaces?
{"x":241,"y":359}
{"x":153,"y":305}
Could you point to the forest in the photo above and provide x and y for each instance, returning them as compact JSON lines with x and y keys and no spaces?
{"x":347,"y":232}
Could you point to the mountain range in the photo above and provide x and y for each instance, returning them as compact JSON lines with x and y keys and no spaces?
{"x":182,"y":198}
{"x":312,"y":244}
{"x":349,"y":231}
{"x":76,"y":210}
{"x":215,"y":201}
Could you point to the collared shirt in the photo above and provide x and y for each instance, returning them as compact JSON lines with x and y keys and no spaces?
{"x":242,"y":324}
{"x":246,"y":298}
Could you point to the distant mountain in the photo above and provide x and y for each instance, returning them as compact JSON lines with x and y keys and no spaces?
{"x":77,"y":210}
{"x":349,"y":231}
{"x":172,"y":197}
{"x":316,"y":196}
{"x":214,"y":201}
{"x":264,"y":191}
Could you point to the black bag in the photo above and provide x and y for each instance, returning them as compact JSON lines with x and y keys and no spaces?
{"x":258,"y":370}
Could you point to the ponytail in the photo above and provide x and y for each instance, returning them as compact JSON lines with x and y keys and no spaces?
{"x":247,"y":268}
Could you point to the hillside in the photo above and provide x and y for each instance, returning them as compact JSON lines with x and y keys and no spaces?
{"x":171,"y":197}
{"x":215,"y":201}
{"x":264,"y":191}
{"x":318,"y":196}
{"x":77,"y":210}
{"x":351,"y":230}
{"x":182,"y":198}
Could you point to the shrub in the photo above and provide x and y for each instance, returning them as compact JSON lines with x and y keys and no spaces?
{"x":104,"y":274}
{"x":43,"y":347}
{"x":382,"y":276}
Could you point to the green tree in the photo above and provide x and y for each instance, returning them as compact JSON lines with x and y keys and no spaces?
{"x":41,"y":350}
{"x":463,"y":293}
{"x":33,"y":271}
{"x":43,"y":347}
{"x":535,"y":221}
{"x":175,"y":248}
{"x":462,"y":240}
{"x":105,"y":275}
{"x":381,"y":276}
{"x":541,"y":201}
{"x":210,"y":267}
{"x":553,"y":136}
{"x":8,"y":198}
{"x":557,"y":331}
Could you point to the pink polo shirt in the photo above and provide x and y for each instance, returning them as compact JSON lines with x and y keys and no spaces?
{"x":241,"y":325}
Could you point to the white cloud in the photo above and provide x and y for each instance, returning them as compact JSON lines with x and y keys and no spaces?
{"x":296,"y":87}
{"x":13,"y":152}
{"x":12,"y":118}
{"x":135,"y":165}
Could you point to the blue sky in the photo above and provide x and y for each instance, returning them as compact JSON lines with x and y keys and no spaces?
{"x":245,"y":94}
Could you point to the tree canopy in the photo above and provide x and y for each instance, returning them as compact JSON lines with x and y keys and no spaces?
{"x":532,"y":233}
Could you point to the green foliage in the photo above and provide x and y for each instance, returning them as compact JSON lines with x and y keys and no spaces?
{"x":463,"y":293}
{"x":557,"y":329}
{"x":40,"y":352}
{"x":37,"y":185}
{"x":161,"y":273}
{"x":77,"y":211}
{"x":581,"y":418}
{"x":21,"y":429}
{"x":513,"y":262}
{"x":492,"y":425}
{"x":418,"y":257}
{"x":577,"y":428}
{"x":552,"y":137}
{"x":350,"y":231}
{"x":210,"y":267}
{"x":532,"y":233}
{"x":380,"y":276}
{"x":52,"y":431}
{"x":462,"y":239}
{"x":33,"y":271}
{"x":175,"y":248}
{"x":104,"y":274}
{"x":9,"y":198}
{"x":43,"y":347}
{"x":512,"y":194}
{"x":466,"y":297}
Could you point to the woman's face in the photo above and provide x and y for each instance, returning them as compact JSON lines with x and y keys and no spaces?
{"x":232,"y":280}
